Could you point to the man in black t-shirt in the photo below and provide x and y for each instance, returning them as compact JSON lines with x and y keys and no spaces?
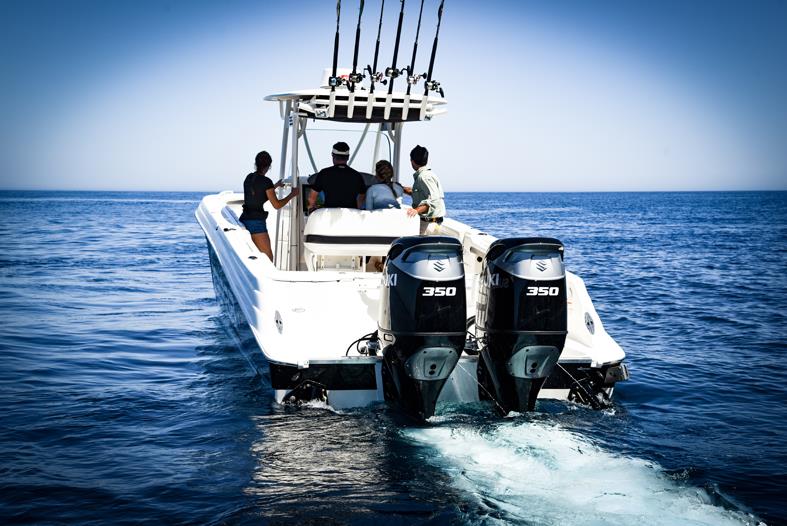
{"x":343,"y":186}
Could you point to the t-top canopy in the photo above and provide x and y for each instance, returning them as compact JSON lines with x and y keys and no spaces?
{"x":362,"y":105}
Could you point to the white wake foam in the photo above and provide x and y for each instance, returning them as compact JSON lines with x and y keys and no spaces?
{"x":536,"y":473}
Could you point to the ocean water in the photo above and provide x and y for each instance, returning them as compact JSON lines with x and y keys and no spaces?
{"x":125,"y":397}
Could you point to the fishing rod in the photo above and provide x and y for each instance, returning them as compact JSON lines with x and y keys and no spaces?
{"x":433,"y":84}
{"x":355,"y":76}
{"x":411,"y":78}
{"x":334,"y":80}
{"x":373,"y":74}
{"x":392,"y":72}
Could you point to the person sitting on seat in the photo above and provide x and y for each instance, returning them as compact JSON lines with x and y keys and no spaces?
{"x":384,"y":193}
{"x":257,"y":189}
{"x":343,"y":187}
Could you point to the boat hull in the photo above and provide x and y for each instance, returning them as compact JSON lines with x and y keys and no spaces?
{"x":300,"y":346}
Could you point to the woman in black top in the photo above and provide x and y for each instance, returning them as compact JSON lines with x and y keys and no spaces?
{"x":257,"y":189}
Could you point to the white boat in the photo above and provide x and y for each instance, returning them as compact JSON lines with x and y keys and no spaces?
{"x":330,"y":327}
{"x":459,"y":317}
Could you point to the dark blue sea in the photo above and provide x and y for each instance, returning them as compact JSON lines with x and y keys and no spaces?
{"x":125,"y":397}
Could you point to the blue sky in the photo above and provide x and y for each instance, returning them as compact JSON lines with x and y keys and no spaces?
{"x":563,"y":95}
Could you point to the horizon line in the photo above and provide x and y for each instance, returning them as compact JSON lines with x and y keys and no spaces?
{"x":212,"y":192}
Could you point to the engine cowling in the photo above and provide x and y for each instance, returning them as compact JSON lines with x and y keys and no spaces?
{"x":521,"y":319}
{"x":422,"y":319}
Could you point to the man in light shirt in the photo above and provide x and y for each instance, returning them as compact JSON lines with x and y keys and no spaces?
{"x":427,"y":193}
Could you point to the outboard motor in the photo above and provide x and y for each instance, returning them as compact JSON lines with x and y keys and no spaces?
{"x":521,"y":319}
{"x":422,"y":320}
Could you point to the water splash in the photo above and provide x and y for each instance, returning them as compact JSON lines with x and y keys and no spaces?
{"x":539,"y":473}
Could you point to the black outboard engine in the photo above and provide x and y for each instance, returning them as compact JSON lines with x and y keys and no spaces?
{"x":422,"y":320}
{"x":521,"y":319}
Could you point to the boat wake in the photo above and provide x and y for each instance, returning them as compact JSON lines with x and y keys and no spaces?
{"x":540,"y":473}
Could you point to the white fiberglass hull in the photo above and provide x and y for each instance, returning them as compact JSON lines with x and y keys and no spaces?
{"x":305,"y":322}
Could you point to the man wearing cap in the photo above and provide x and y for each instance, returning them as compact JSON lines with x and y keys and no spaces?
{"x":428,"y":197}
{"x":343,"y":186}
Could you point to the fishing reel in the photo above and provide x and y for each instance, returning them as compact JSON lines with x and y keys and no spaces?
{"x":377,"y":77}
{"x":335,"y":82}
{"x":413,"y":79}
{"x":393,"y":73}
{"x":355,"y":78}
{"x":434,"y":85}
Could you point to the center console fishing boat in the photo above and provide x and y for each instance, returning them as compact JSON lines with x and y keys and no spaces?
{"x":459,"y":317}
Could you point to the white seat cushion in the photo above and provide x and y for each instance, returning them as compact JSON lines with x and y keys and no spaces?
{"x":350,"y":232}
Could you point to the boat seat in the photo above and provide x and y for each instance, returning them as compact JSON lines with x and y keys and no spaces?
{"x":338,"y":236}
